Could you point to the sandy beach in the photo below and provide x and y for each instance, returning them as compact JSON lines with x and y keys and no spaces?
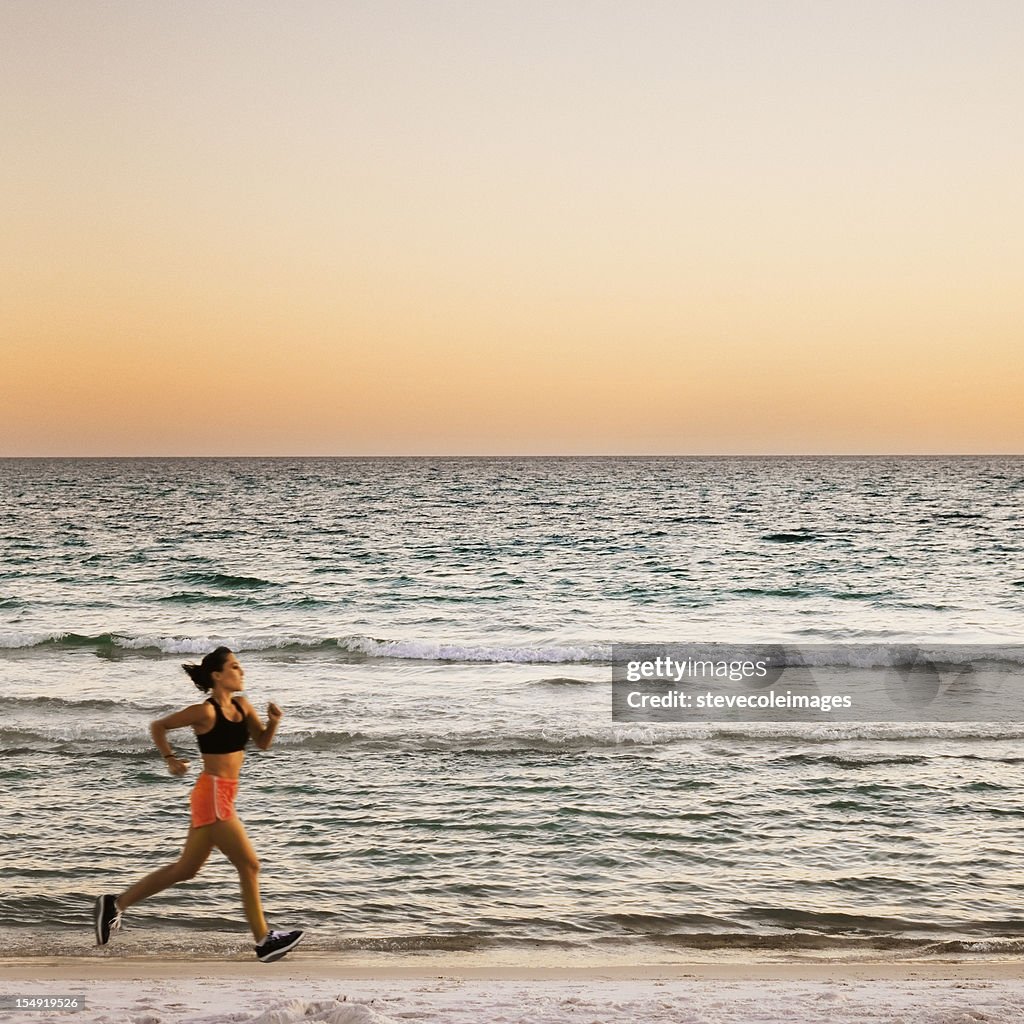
{"x":144,"y":991}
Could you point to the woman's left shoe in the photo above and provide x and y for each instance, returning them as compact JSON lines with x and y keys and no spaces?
{"x":276,"y":944}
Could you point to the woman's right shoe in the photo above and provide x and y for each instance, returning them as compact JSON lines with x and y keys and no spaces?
{"x":107,"y":918}
{"x":277,"y":944}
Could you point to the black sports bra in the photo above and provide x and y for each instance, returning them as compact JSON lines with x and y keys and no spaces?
{"x":226,"y":737}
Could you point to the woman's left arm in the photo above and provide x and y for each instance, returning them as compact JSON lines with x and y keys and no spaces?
{"x":262,"y":735}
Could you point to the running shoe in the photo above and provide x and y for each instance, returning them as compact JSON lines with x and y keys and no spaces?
{"x":107,"y":918}
{"x":276,"y":945}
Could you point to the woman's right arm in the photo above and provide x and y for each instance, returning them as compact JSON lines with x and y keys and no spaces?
{"x":158,"y":730}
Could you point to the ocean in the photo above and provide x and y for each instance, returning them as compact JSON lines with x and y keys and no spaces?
{"x":448,"y":775}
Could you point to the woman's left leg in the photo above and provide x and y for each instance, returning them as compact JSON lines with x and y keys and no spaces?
{"x":230,"y":838}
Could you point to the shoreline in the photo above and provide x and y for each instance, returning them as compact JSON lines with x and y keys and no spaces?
{"x":324,"y":968}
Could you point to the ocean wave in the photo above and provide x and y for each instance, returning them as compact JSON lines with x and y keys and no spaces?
{"x":75,"y":739}
{"x":839,"y":761}
{"x":359,"y":646}
{"x":940,"y":516}
{"x":899,"y":655}
{"x":560,"y":681}
{"x":791,"y":941}
{"x":486,"y":740}
{"x":789,"y":918}
{"x":660,"y":924}
{"x":896,"y":732}
{"x":434,"y":651}
{"x":773,"y":592}
{"x":879,"y":760}
{"x":998,"y":946}
{"x":217,"y":936}
{"x":356,"y":647}
{"x":63,"y":703}
{"x":132,"y":743}
{"x":200,"y":598}
{"x":661,"y":735}
{"x":218,"y":579}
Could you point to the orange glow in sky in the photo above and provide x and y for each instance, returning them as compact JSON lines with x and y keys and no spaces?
{"x":511,"y":228}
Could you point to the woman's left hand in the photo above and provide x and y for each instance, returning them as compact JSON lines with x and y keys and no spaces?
{"x":274,"y":713}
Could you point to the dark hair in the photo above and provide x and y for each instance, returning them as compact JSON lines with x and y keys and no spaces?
{"x":202,"y":674}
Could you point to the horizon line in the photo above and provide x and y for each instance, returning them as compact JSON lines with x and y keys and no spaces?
{"x":550,"y":455}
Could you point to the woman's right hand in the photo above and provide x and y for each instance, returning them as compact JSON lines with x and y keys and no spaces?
{"x":176,"y":766}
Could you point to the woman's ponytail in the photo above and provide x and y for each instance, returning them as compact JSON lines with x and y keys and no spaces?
{"x":202,"y":674}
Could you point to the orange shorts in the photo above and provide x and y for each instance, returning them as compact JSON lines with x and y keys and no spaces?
{"x":213,"y":799}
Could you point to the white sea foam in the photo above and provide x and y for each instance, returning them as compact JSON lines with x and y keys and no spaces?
{"x":13,"y":641}
{"x":369,"y":647}
{"x":859,"y":655}
{"x":205,"y":644}
{"x":426,"y":650}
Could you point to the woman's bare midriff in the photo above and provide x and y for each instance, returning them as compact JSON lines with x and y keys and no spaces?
{"x":224,"y":766}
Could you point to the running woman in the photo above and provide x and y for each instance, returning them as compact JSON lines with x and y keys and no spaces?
{"x":223,"y":724}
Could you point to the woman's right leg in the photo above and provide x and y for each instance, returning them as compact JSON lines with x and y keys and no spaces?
{"x":198,"y":845}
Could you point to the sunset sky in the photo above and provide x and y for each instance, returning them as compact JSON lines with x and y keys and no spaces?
{"x":533,"y":226}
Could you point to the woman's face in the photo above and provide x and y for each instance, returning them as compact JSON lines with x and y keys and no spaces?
{"x":231,"y":677}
